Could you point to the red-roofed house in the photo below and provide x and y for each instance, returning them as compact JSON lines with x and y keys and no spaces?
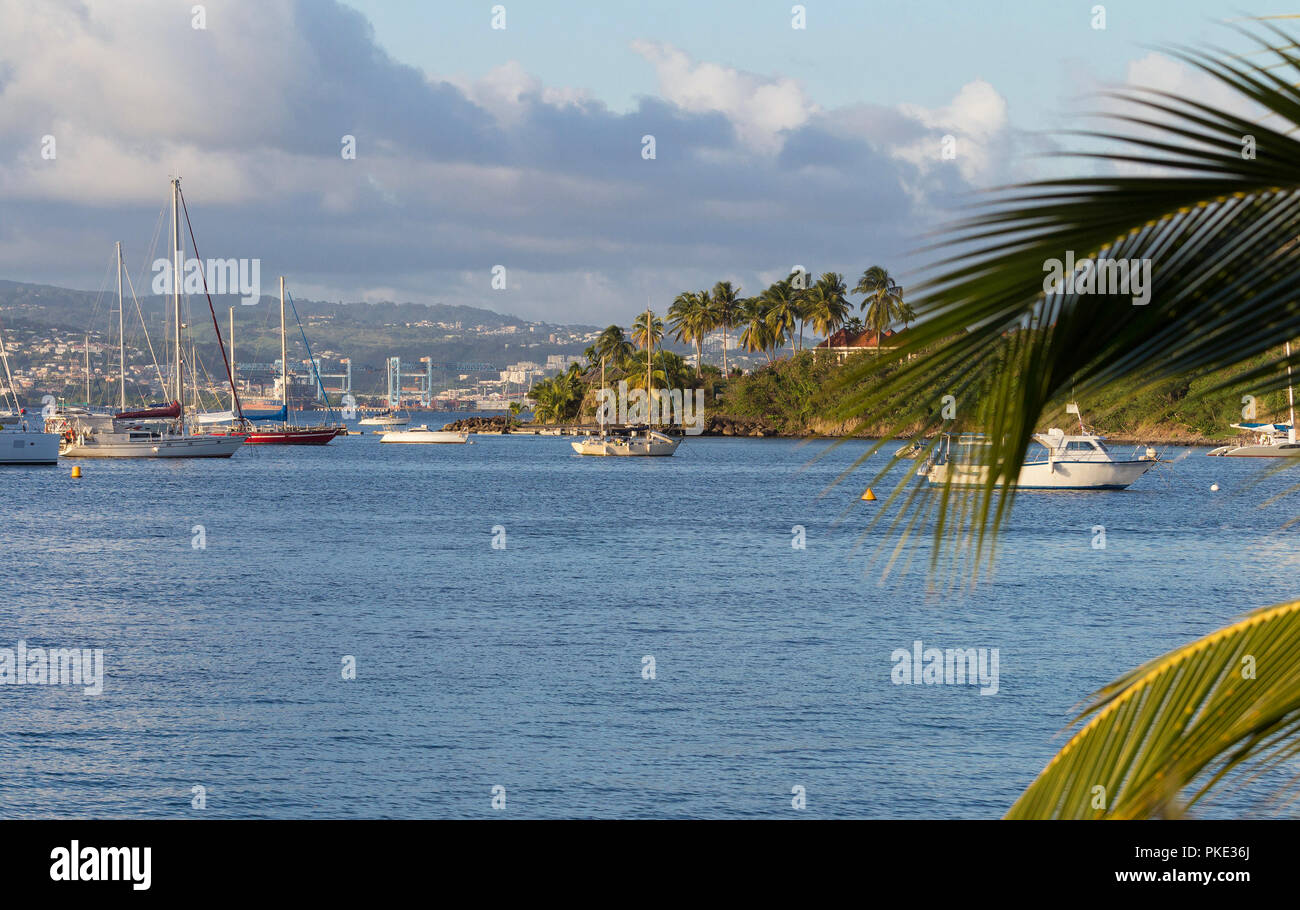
{"x":846,"y":342}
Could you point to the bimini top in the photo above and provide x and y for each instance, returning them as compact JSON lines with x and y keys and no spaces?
{"x":1272,"y":429}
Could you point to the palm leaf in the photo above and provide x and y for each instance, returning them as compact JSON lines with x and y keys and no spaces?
{"x":1218,"y":227}
{"x":1223,"y":706}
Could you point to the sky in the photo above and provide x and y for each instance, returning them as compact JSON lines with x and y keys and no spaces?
{"x":510,"y":167}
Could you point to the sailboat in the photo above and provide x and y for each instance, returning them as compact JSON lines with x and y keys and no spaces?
{"x":1267,"y":440}
{"x":285,"y":433}
{"x":156,"y":432}
{"x":19,"y":444}
{"x":646,"y":443}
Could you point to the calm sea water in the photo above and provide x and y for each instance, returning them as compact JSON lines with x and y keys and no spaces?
{"x":522,"y":667}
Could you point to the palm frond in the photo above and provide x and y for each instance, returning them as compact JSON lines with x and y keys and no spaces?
{"x":1221,"y":707}
{"x":1217,"y":227}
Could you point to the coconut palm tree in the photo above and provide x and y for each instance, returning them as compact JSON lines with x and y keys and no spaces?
{"x":782,"y":305}
{"x":828,"y":304}
{"x":756,"y":333}
{"x":1201,"y":204}
{"x":906,"y":313}
{"x":726,"y":309}
{"x":613,"y":345}
{"x":691,"y":318}
{"x":883,"y":305}
{"x":647,"y":330}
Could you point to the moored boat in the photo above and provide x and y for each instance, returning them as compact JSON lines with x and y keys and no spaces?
{"x":422,"y":434}
{"x":155,"y":431}
{"x":20,"y":444}
{"x":1080,"y":461}
{"x":647,"y":442}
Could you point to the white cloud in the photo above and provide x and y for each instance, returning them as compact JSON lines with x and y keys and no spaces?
{"x":759,"y":107}
{"x":451,"y":175}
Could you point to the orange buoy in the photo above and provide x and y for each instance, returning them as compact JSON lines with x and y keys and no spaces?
{"x":868,"y":496}
{"x":76,"y":470}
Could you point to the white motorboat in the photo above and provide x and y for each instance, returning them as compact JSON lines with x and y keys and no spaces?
{"x":22,"y":446}
{"x":19,"y":443}
{"x":1064,"y":462}
{"x":422,"y":434}
{"x":385,"y":420}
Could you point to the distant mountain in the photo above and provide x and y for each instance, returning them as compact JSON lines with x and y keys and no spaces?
{"x":74,"y":309}
{"x":459,"y":339}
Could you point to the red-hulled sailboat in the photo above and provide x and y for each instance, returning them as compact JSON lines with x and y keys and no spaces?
{"x":282,"y":432}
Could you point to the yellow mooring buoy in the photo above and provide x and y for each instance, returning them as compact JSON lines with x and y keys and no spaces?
{"x":76,"y":470}
{"x":868,"y":496}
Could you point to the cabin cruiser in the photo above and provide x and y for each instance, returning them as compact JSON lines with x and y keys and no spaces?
{"x":1063,"y":462}
{"x":422,"y":434}
{"x":385,"y":420}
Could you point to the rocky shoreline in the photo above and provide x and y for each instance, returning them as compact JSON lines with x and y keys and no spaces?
{"x":751,"y":427}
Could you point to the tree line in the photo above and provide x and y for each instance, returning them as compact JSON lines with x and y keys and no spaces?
{"x":766,"y":321}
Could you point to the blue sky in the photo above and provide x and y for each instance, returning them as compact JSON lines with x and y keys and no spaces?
{"x":1035,"y":52}
{"x":523,"y":148}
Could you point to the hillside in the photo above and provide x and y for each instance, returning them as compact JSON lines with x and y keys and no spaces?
{"x":41,"y":322}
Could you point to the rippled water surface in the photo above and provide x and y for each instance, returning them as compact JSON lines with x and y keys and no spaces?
{"x":522,"y":667}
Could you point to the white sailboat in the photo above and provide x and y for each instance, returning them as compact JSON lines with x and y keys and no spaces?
{"x":1078,"y":461}
{"x":648,"y":442}
{"x":152,"y":432}
{"x":1267,"y":440}
{"x":19,"y":443}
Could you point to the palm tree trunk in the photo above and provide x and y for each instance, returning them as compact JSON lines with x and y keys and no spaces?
{"x":724,"y":349}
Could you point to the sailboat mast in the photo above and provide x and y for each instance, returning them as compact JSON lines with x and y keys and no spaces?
{"x":87,"y":369}
{"x":121,"y":337}
{"x":649,"y":359}
{"x":284,"y":357}
{"x":176,"y":288}
{"x":232,"y":359}
{"x":1290,"y":395}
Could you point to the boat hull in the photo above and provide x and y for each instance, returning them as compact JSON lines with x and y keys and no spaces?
{"x":197,"y":446}
{"x":1281,"y":450}
{"x":656,"y":447}
{"x":425,"y":437}
{"x":1060,"y":475}
{"x":27,"y":448}
{"x":303,"y":437}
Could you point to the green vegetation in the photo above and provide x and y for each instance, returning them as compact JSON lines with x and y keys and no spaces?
{"x":571,"y":396}
{"x":800,"y":396}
